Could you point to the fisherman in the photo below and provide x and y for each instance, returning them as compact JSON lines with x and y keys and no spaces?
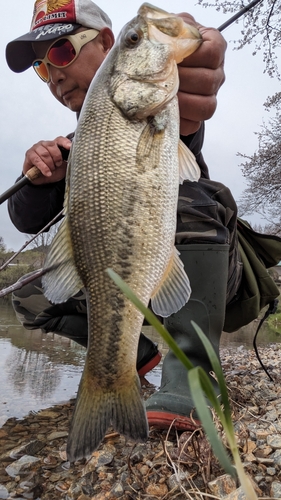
{"x":66,"y":45}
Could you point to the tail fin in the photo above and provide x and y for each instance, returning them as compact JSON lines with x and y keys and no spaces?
{"x":96,"y":410}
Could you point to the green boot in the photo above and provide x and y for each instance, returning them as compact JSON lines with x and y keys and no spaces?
{"x":207,"y":268}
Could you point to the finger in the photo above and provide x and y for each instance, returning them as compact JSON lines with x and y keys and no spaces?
{"x":188,"y":127}
{"x":45,"y":155}
{"x":64,"y":142}
{"x":202,"y":81}
{"x":210,"y":53}
{"x":196,"y":107}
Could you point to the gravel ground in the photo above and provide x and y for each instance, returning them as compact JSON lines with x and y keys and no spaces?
{"x":33,"y":461}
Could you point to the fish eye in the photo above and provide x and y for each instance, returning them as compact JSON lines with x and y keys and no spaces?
{"x":132,"y":38}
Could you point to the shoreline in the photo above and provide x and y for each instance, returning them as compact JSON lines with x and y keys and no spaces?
{"x":168,"y":465}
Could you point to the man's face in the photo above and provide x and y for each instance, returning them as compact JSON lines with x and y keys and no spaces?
{"x":69,"y":85}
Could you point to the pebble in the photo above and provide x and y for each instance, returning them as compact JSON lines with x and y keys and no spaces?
{"x":222,"y":486}
{"x":274,"y":441}
{"x":276,"y":456}
{"x":3,"y":492}
{"x":159,"y":490}
{"x":275,"y":489}
{"x":19,"y":466}
{"x":57,"y":435}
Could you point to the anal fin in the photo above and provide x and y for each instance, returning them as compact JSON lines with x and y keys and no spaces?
{"x":188,"y":166}
{"x":173,"y":291}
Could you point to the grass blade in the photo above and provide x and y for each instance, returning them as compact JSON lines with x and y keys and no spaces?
{"x":195,"y":380}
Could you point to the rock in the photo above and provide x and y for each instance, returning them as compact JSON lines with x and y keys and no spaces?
{"x":57,"y":435}
{"x":98,"y":459}
{"x":30,"y":448}
{"x":236,"y":495}
{"x":263,"y":452}
{"x":222,"y":486}
{"x":250,"y":457}
{"x":250,"y":446}
{"x":158,"y":490}
{"x":276,"y":456}
{"x":3,"y":492}
{"x":265,"y":461}
{"x":274,"y":441}
{"x":117,"y":490}
{"x":177,"y":479}
{"x":74,"y":492}
{"x":21,"y":465}
{"x":271,"y":471}
{"x":275,"y":490}
{"x":49,"y":414}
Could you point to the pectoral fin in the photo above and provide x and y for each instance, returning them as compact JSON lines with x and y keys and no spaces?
{"x":63,"y":281}
{"x":188,"y":166}
{"x":173,"y":291}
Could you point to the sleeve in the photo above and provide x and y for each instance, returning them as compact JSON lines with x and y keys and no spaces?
{"x":32,"y":207}
{"x":195,"y":143}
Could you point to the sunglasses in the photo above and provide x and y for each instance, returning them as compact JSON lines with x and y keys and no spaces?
{"x":63,"y":52}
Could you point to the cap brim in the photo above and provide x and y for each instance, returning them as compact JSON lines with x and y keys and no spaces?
{"x":20,"y":54}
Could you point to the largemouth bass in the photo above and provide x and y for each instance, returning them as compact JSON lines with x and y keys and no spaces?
{"x":121,"y":197}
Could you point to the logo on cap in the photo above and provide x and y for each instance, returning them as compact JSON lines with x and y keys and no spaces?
{"x":52,"y":11}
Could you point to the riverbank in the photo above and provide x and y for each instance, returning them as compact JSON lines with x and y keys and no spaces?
{"x":33,"y":461}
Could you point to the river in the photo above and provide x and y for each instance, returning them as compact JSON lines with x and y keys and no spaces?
{"x":39,"y":370}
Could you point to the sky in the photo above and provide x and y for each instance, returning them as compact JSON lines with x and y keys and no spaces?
{"x":30,"y":113}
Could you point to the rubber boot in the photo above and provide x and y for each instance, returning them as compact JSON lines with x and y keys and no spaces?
{"x":207,"y":268}
{"x":68,"y":326}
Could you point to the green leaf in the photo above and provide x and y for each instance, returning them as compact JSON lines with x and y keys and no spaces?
{"x":194,"y":377}
{"x":217,"y":369}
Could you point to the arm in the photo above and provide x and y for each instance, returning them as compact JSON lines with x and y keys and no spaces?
{"x":32,"y":207}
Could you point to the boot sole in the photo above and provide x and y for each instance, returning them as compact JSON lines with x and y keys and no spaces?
{"x":165,"y":420}
{"x":150,"y":364}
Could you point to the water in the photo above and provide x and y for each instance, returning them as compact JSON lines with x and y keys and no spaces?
{"x":39,"y":370}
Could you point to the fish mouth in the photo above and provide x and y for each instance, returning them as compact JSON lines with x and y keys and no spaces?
{"x":169,"y":28}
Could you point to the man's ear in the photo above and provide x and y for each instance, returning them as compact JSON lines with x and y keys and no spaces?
{"x":106,"y":39}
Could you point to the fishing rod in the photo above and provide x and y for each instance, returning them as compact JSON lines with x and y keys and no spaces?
{"x":34,"y":172}
{"x":239,"y":14}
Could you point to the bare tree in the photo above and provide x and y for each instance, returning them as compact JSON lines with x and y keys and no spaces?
{"x":43,"y":240}
{"x":261,"y":26}
{"x":2,"y":244}
{"x":263,"y":171}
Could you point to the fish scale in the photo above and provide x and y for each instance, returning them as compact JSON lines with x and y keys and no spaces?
{"x":120,"y":212}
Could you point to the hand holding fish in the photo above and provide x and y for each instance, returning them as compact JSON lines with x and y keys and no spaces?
{"x":47,"y":157}
{"x":201,"y":75}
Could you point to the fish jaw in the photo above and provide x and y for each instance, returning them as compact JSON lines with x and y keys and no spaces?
{"x":169,"y":28}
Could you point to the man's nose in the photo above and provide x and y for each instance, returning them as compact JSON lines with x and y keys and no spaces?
{"x":56,"y":74}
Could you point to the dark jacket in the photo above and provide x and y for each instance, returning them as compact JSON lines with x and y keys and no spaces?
{"x":33,"y":207}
